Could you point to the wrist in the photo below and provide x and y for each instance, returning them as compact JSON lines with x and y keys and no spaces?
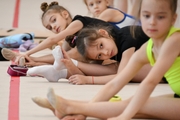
{"x":90,"y":80}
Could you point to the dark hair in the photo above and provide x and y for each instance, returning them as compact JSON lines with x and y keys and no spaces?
{"x":87,"y":37}
{"x":53,"y":6}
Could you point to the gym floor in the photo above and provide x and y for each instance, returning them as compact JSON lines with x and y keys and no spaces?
{"x":16,"y":92}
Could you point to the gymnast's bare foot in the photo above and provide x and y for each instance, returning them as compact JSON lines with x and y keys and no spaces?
{"x":59,"y":104}
{"x":43,"y":102}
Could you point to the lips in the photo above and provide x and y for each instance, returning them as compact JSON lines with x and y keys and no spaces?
{"x":111,"y":53}
{"x":57,"y":30}
{"x":152,"y":30}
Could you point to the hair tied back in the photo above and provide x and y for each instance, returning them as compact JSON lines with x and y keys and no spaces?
{"x":74,"y":38}
{"x":45,"y":6}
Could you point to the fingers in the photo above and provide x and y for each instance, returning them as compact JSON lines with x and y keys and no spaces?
{"x":66,"y":56}
{"x":74,"y":117}
{"x":75,"y":79}
{"x":68,"y":118}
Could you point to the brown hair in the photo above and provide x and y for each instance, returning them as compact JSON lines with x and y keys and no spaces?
{"x":53,"y":6}
{"x":173,"y":7}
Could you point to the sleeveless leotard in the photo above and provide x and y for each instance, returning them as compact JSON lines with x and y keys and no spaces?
{"x":128,"y":20}
{"x":173,"y":74}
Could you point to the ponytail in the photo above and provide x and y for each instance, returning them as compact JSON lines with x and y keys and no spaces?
{"x":71,"y":40}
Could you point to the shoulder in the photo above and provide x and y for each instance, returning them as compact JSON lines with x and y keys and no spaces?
{"x":173,"y":40}
{"x":78,"y":17}
{"x":114,"y":9}
{"x":85,"y":20}
{"x":109,"y":12}
{"x":174,"y":37}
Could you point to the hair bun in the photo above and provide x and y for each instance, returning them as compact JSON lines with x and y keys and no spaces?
{"x":71,"y":40}
{"x":53,"y":3}
{"x":44,"y":6}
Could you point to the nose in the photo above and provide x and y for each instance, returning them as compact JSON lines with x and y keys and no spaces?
{"x":53,"y":27}
{"x":105,"y":52}
{"x":95,"y":5}
{"x":152,"y":21}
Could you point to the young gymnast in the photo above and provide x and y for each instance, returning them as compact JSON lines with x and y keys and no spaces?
{"x":62,"y":25}
{"x":92,"y":43}
{"x":162,"y":51}
{"x":101,"y":9}
{"x":112,"y":43}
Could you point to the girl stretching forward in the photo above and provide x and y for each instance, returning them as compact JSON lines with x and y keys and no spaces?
{"x":97,"y":43}
{"x":58,"y":20}
{"x":162,"y":51}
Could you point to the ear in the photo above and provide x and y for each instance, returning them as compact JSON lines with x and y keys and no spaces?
{"x":103,"y":32}
{"x":174,"y":18}
{"x":65,"y":14}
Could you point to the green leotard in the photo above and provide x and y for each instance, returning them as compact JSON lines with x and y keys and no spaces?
{"x":173,"y":74}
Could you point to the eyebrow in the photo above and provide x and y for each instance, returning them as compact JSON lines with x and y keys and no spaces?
{"x":157,"y":13}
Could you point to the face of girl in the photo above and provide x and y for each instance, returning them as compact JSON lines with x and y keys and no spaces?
{"x":103,"y":49}
{"x":156,"y":18}
{"x":96,"y":7}
{"x":54,"y":22}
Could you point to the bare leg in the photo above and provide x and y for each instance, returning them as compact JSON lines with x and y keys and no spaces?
{"x":134,"y":8}
{"x":49,"y":59}
{"x":155,"y":107}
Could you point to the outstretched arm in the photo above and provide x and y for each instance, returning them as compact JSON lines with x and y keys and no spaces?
{"x":168,"y":53}
{"x":74,"y":27}
{"x":97,"y":79}
{"x":121,"y":78}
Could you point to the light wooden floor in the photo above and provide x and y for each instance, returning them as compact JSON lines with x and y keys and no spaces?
{"x":15,"y":96}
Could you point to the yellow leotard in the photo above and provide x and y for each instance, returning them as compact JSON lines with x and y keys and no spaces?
{"x":173,"y":74}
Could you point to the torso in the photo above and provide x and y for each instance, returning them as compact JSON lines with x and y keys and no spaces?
{"x":172,"y":75}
